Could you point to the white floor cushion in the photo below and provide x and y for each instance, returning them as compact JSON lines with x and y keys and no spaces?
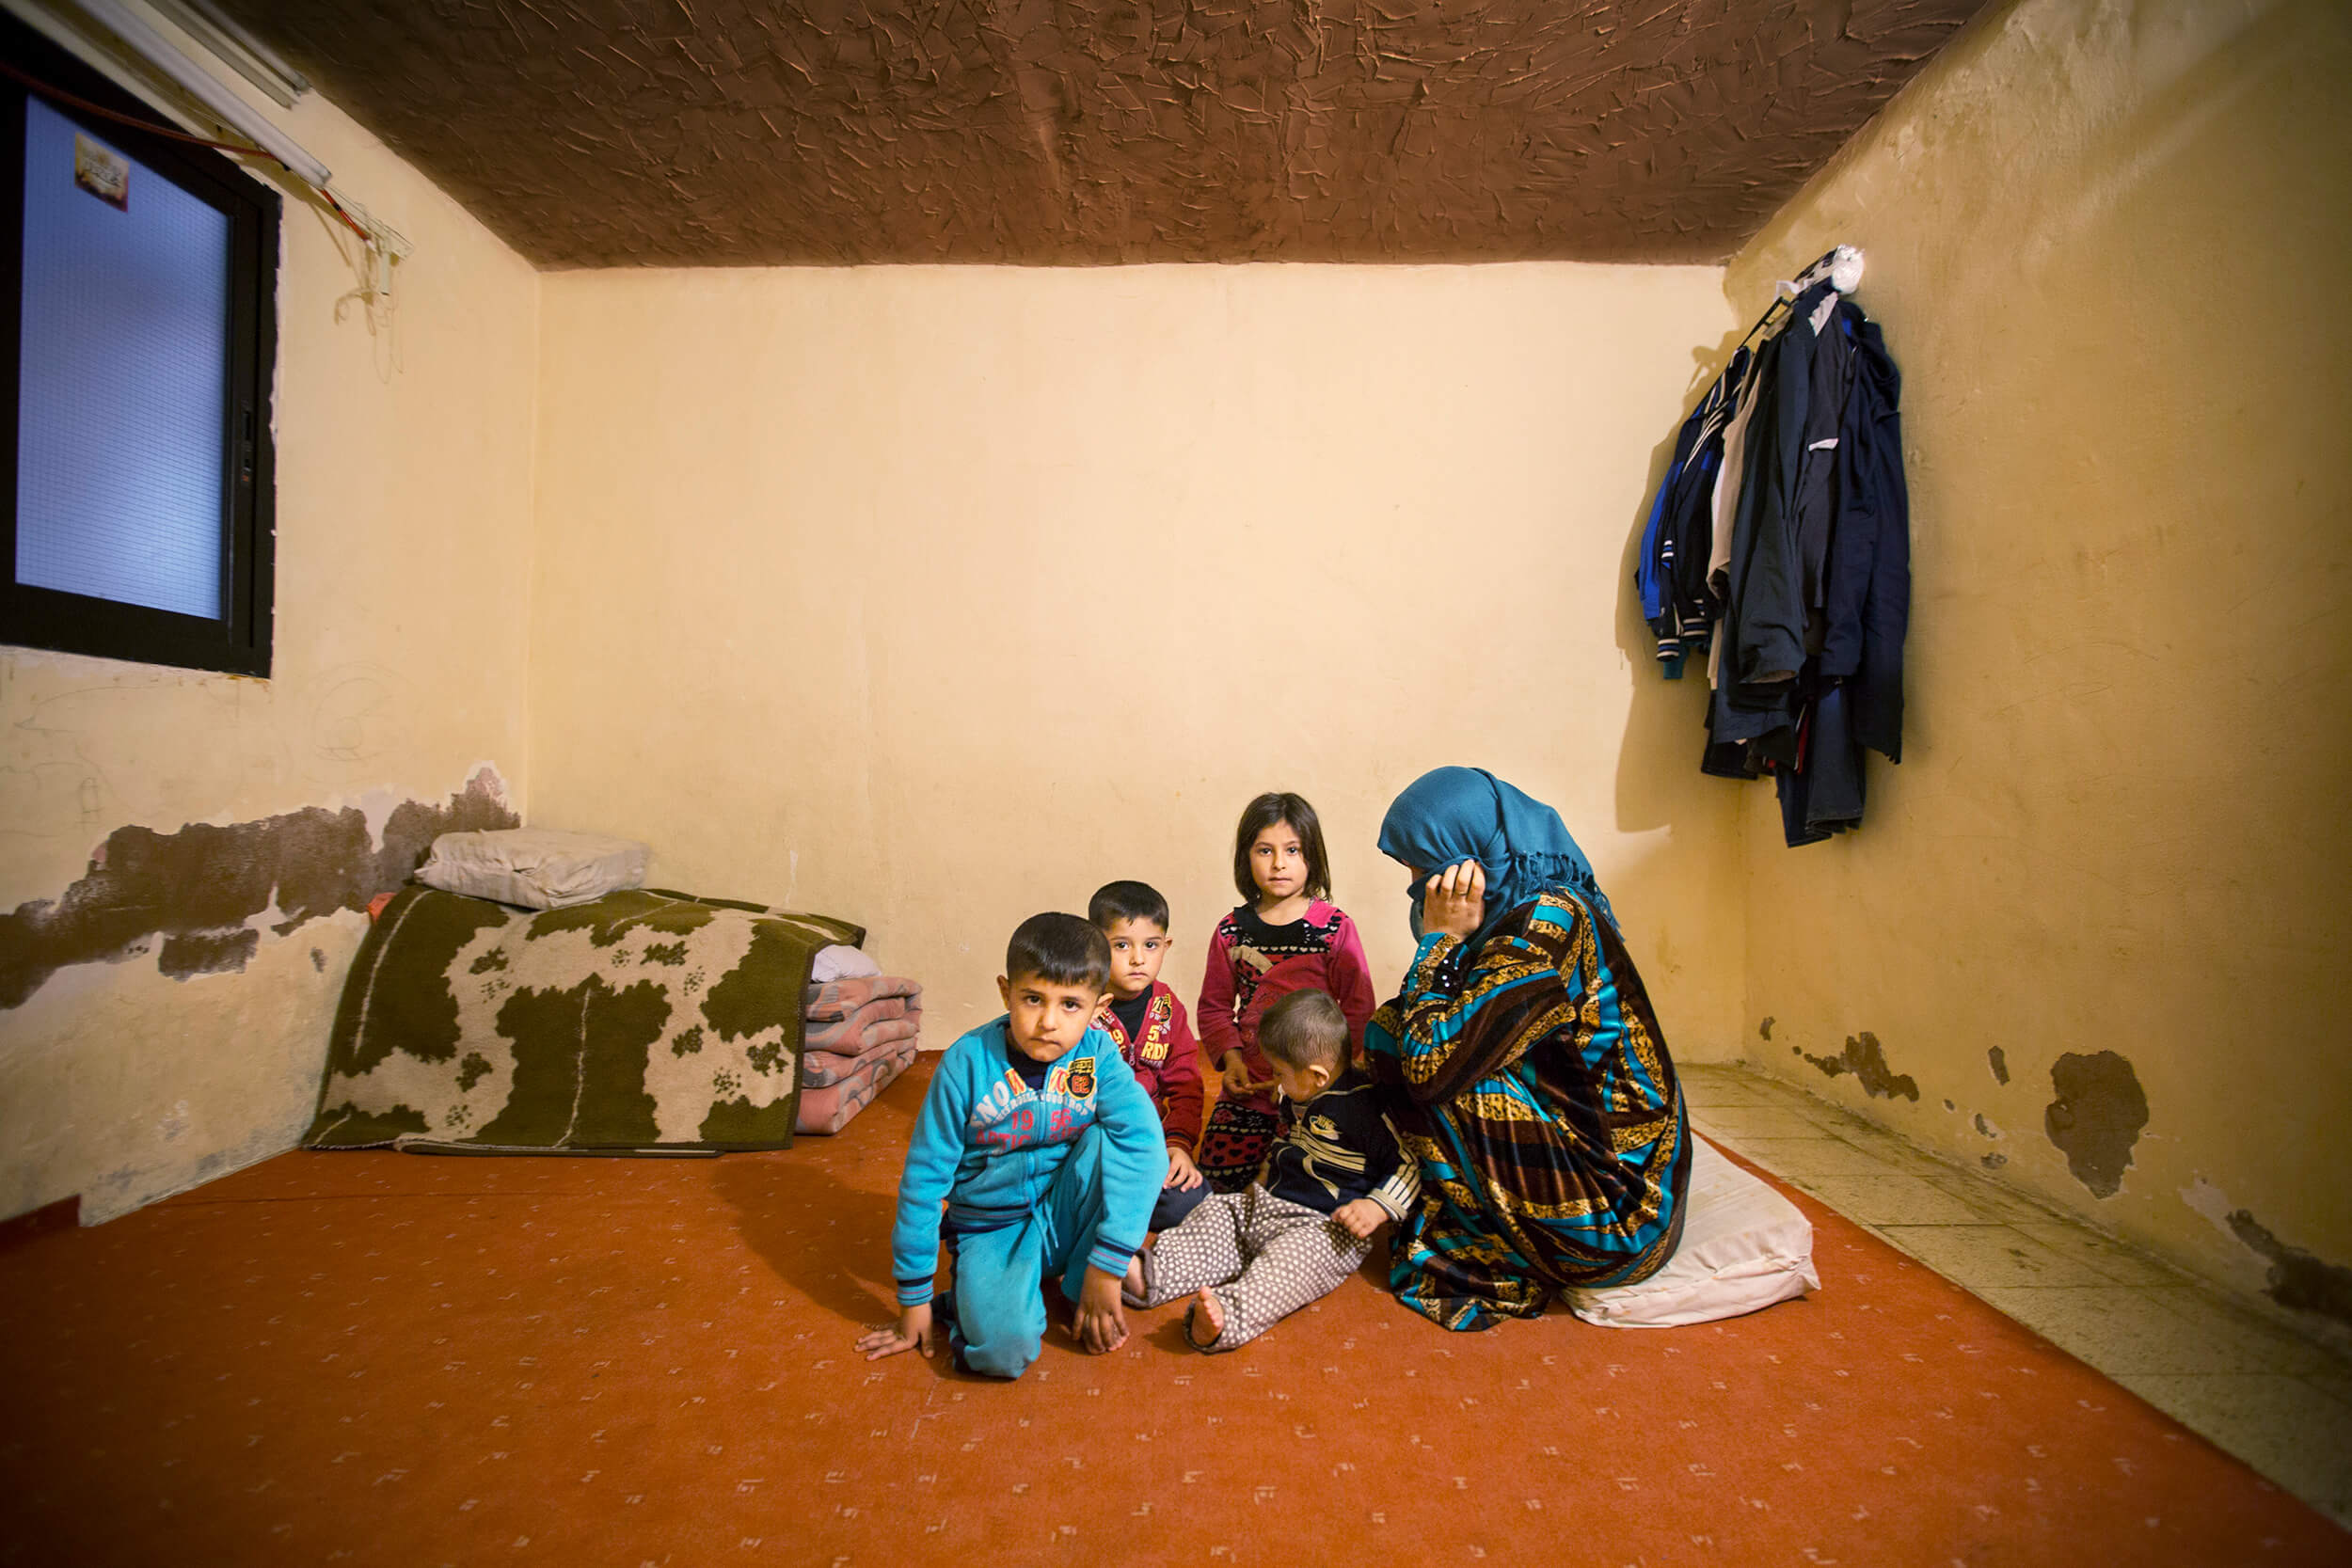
{"x":1743,"y":1247}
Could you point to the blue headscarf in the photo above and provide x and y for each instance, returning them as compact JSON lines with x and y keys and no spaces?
{"x":1458,"y":814}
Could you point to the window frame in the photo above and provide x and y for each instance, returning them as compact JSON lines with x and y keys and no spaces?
{"x":33,"y":617}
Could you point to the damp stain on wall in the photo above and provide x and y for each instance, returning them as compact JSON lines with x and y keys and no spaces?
{"x":1867,"y":1060}
{"x":2299,"y":1280}
{"x":2095,"y":1118}
{"x":197,"y":889}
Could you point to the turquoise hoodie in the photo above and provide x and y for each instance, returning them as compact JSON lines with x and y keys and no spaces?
{"x":987,"y":1145}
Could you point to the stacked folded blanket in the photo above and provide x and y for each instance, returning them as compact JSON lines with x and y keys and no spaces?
{"x":857,"y":1034}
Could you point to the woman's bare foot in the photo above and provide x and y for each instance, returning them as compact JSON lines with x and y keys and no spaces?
{"x":1208,"y":1313}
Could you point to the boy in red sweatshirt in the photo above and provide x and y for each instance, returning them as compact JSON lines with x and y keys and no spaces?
{"x":1154,"y":1037}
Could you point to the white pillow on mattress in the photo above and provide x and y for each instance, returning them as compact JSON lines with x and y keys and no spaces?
{"x":837,"y":962}
{"x":1743,"y":1247}
{"x":539,"y":868}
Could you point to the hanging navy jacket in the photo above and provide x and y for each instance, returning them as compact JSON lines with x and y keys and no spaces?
{"x":1791,"y":518}
{"x":1867,"y":607}
{"x":1756,"y":672}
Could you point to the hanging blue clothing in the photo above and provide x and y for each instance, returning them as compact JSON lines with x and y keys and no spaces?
{"x":1670,"y":571}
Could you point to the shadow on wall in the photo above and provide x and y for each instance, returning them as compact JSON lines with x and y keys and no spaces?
{"x":1666,"y":722}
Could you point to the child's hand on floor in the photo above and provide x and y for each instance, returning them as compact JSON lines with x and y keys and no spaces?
{"x":912,"y":1331}
{"x":1182,"y":1173}
{"x":1101,"y":1324}
{"x":1359,"y":1218}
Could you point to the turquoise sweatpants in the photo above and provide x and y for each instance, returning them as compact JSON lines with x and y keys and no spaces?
{"x":998,"y":1324}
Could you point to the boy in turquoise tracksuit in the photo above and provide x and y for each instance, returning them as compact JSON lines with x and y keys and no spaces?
{"x":1048,"y":1155}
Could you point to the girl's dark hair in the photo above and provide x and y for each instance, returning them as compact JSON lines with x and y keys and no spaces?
{"x":1293,"y":812}
{"x":1060,"y":950}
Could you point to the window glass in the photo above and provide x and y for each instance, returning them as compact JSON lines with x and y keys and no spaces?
{"x":121,"y":466}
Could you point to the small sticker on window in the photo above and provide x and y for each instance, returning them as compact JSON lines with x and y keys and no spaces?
{"x":101,"y":172}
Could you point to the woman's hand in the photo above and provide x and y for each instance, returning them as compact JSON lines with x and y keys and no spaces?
{"x":1235,"y":1081}
{"x":912,"y":1331}
{"x":1454,"y":901}
{"x":1183,"y":1175}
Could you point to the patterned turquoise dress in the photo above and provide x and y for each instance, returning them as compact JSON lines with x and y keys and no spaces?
{"x":1529,"y":1077}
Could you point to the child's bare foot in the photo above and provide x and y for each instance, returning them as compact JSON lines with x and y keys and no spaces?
{"x":1207,"y":1313}
{"x":1133,"y":1289}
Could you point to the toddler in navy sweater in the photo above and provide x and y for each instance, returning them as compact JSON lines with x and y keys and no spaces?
{"x":1252,"y":1257}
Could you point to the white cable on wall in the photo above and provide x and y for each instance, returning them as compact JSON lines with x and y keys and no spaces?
{"x":207,"y":89}
{"x":239,"y":50}
{"x":383,"y":244}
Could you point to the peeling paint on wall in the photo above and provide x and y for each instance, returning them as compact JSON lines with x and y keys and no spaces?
{"x":2298,"y":1279}
{"x":2291,"y":1276}
{"x":199,"y":888}
{"x":1765,"y":1028}
{"x":2096,"y":1118}
{"x":2000,"y":1059}
{"x":1864,"y":1058}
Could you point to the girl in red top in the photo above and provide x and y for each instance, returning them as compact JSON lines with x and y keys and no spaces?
{"x":1285,"y":936}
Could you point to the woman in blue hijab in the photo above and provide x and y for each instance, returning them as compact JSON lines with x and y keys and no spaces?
{"x":1529,"y":1077}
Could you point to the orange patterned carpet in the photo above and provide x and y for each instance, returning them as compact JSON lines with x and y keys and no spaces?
{"x":381,"y":1358}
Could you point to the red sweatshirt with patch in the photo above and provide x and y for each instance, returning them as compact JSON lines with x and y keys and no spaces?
{"x":1167,"y":1062}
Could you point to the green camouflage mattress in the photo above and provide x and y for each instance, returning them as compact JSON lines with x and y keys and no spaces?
{"x":644,"y":1020}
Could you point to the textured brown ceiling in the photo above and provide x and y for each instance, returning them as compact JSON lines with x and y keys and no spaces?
{"x":616,"y":133}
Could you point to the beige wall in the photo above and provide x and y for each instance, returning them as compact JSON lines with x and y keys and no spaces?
{"x":2110,"y":245}
{"x":403,"y":542}
{"x":934,"y":598}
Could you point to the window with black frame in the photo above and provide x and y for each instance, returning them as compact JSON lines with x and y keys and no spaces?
{"x":140,"y":274}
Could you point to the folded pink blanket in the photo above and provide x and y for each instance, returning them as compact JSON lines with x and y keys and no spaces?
{"x":837,"y":1034}
{"x":830,"y":1108}
{"x":884,"y":1006}
{"x":841,"y":998}
{"x":819,"y":1067}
